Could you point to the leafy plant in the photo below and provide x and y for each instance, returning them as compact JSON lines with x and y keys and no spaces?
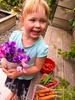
{"x":64,"y":82}
{"x":9,"y":4}
{"x":72,"y":21}
{"x":4,"y":5}
{"x":66,"y":93}
{"x":51,"y":4}
{"x":68,"y":54}
{"x":16,"y":4}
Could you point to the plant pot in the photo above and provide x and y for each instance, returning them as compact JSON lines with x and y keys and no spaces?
{"x":12,"y":65}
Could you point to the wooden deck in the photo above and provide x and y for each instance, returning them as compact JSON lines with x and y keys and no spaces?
{"x":57,"y":38}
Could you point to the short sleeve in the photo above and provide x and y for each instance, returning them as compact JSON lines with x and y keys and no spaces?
{"x":42,"y":50}
{"x":14,"y":35}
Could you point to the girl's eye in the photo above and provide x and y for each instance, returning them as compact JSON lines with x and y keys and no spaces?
{"x":32,"y":20}
{"x":43,"y":21}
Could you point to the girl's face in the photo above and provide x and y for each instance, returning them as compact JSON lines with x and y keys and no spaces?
{"x":35,"y":23}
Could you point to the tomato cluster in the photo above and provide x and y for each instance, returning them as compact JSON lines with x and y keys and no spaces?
{"x":48,"y":66}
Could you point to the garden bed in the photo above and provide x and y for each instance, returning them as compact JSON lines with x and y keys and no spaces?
{"x":63,"y":14}
{"x":7,"y":21}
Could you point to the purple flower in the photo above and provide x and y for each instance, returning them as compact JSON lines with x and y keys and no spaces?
{"x":13,"y":54}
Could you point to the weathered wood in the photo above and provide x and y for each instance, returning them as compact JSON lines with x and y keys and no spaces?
{"x":63,"y":40}
{"x":63,"y":13}
{"x":35,"y":81}
{"x":67,"y":3}
{"x":57,"y":38}
{"x":60,"y":23}
{"x":7,"y":22}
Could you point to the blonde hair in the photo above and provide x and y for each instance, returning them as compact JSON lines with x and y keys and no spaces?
{"x":30,"y":6}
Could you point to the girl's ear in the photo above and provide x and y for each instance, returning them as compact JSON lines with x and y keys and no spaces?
{"x":21,"y":20}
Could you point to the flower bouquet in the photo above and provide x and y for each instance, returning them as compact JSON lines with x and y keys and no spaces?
{"x":14,"y":56}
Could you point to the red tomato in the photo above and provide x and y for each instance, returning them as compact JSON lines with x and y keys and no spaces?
{"x":48,"y":66}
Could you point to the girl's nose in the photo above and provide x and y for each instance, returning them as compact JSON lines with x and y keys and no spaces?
{"x":37,"y":24}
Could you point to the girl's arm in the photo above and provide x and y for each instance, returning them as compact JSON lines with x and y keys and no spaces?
{"x":13,"y":73}
{"x":37,"y":67}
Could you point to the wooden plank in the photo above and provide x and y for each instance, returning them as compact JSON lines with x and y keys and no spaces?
{"x":69,"y":68}
{"x":59,"y":23}
{"x":49,"y":39}
{"x":35,"y":81}
{"x":7,"y":24}
{"x":67,"y":3}
{"x":58,"y":59}
{"x":64,"y":13}
{"x":68,"y":64}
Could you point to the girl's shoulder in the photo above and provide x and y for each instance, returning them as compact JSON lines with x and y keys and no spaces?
{"x":42,"y":42}
{"x":15,"y":34}
{"x":42,"y":48}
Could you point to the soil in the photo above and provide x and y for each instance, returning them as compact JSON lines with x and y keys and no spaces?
{"x":2,"y":16}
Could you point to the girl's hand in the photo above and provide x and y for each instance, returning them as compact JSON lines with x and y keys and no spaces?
{"x":13,"y":73}
{"x":4,"y":65}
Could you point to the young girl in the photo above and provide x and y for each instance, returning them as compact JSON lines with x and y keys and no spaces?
{"x":34,"y":17}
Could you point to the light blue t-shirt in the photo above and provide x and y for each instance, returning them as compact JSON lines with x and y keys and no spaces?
{"x":38,"y":49}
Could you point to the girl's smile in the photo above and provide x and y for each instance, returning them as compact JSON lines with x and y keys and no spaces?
{"x":35,"y":32}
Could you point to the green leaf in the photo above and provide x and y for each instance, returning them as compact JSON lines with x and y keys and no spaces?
{"x":64,"y":82}
{"x":72,"y":23}
{"x":74,"y":9}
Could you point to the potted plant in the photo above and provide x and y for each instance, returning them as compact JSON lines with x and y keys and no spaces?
{"x":70,"y":54}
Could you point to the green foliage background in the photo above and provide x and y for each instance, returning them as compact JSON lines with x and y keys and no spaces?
{"x":16,"y":4}
{"x":8,"y":4}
